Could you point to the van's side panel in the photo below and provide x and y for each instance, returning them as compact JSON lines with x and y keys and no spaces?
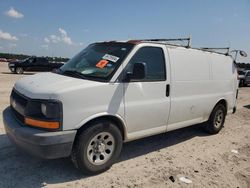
{"x":83,"y":104}
{"x":224,"y":78}
{"x":195,"y":87}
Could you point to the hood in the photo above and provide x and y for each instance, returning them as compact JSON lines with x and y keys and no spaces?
{"x":50,"y":85}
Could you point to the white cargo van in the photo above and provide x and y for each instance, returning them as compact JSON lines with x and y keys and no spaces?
{"x":114,"y":92}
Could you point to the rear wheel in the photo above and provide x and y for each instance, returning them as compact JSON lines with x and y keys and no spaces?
{"x":216,"y":119}
{"x":19,"y":70}
{"x":97,"y":147}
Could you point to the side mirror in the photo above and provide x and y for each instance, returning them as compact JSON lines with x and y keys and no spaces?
{"x":139,"y":72}
{"x":243,"y":54}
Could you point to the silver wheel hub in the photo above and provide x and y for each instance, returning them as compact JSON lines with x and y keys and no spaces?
{"x":218,"y":119}
{"x":100,"y":148}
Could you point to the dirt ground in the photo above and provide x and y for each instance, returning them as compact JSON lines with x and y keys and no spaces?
{"x":158,"y":161}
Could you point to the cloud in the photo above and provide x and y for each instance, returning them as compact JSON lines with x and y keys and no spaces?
{"x":63,"y":32}
{"x":46,"y":40}
{"x":7,"y":36}
{"x":55,"y":39}
{"x":67,"y":40}
{"x":13,"y":13}
{"x":45,"y":46}
{"x":62,"y":37}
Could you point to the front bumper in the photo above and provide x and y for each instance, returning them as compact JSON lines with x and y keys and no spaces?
{"x":43,"y":144}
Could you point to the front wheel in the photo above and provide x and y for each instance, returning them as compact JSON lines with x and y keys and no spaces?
{"x":97,"y":147}
{"x":216,"y":119}
{"x":12,"y":70}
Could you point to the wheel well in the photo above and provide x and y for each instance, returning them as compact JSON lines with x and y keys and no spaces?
{"x":114,"y":119}
{"x":223,"y":102}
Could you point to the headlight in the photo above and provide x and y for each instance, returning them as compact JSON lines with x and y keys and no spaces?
{"x":51,"y":110}
{"x":43,"y":109}
{"x":44,"y":114}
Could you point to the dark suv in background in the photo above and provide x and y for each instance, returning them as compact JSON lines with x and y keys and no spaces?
{"x":33,"y":64}
{"x":247,"y":78}
{"x":241,"y":77}
{"x":244,"y":77}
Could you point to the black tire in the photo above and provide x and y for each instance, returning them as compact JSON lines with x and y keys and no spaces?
{"x":81,"y":156}
{"x":19,"y":70}
{"x":216,"y":119}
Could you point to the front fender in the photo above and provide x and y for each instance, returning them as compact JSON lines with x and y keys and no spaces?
{"x":103,"y":115}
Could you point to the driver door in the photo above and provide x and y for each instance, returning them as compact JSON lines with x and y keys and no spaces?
{"x":147,"y":101}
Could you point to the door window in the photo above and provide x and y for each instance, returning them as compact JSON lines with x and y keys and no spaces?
{"x":154,"y":59}
{"x":40,"y":60}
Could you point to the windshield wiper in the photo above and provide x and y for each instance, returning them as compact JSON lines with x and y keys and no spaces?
{"x":73,"y":73}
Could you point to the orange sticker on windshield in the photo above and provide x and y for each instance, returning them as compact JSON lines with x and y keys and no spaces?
{"x":102,"y":63}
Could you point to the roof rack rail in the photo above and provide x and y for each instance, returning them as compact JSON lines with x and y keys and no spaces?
{"x":214,"y":50}
{"x":188,"y":39}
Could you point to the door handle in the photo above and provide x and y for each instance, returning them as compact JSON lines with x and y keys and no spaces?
{"x":167,"y":90}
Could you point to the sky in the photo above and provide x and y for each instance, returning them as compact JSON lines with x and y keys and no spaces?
{"x":63,"y":28}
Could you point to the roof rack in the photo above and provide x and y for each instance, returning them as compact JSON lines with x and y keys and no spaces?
{"x":214,"y":50}
{"x":165,"y":41}
{"x":188,"y":39}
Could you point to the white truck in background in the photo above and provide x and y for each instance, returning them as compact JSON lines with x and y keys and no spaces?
{"x":115,"y":92}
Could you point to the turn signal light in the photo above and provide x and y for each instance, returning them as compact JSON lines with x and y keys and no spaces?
{"x":42,"y":124}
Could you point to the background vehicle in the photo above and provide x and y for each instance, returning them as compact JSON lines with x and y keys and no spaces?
{"x":115,"y":92}
{"x":247,"y":78}
{"x":3,"y":60}
{"x":241,"y":77}
{"x":33,"y":64}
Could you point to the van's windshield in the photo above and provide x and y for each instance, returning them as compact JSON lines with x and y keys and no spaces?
{"x":98,"y":61}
